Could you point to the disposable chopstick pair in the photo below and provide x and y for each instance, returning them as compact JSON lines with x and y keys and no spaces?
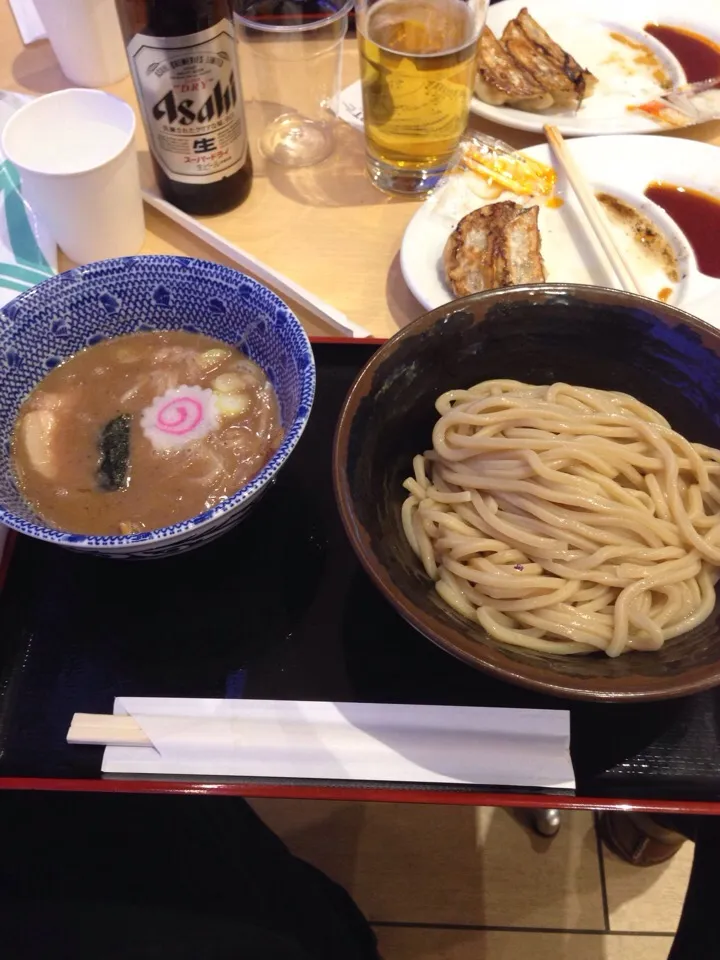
{"x":282,"y":284}
{"x":106,"y":730}
{"x":591,"y":209}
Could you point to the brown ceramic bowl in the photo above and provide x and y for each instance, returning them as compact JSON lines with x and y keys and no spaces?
{"x":540,"y":334}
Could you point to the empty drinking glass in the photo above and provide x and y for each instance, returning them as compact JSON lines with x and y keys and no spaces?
{"x":291,"y":56}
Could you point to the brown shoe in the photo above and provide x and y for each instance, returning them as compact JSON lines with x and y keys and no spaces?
{"x":638,"y":838}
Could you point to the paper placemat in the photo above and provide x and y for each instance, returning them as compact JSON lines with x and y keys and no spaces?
{"x":292,"y":739}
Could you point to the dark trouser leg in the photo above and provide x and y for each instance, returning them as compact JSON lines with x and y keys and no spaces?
{"x":698,"y":935}
{"x":190,"y":862}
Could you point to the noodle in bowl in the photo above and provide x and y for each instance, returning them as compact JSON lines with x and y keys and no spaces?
{"x":518,"y":520}
{"x":565,"y":519}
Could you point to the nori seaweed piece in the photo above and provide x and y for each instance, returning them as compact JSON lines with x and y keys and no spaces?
{"x":114,"y":447}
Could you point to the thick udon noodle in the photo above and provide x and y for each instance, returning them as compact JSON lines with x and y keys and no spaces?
{"x":565,"y":519}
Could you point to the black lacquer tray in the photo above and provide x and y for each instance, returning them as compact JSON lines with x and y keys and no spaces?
{"x":280,"y":608}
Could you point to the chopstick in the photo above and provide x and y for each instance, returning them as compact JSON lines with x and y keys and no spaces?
{"x":107,"y":730}
{"x":282,"y":284}
{"x":699,"y":86}
{"x":591,"y":209}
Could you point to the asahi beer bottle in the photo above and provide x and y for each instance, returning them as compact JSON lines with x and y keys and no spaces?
{"x":183,"y":59}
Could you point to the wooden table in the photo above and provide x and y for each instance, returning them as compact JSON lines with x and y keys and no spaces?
{"x":326,"y":226}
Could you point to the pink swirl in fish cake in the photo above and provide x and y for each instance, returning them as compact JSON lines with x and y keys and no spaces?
{"x":179,"y":416}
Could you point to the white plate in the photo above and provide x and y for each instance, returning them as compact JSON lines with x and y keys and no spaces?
{"x":583,"y":28}
{"x":622,"y":166}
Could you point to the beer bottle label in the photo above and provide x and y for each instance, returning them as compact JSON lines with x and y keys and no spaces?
{"x":191,"y":100}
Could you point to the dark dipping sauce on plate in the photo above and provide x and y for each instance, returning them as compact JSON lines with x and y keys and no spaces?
{"x":698,"y":216}
{"x":698,"y":56}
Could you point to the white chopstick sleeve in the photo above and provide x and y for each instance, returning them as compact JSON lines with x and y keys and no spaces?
{"x":347,"y":741}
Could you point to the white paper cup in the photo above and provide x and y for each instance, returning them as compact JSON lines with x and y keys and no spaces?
{"x":86,"y":38}
{"x":76,"y":154}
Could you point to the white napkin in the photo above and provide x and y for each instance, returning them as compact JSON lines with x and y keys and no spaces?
{"x":28,"y":20}
{"x":291,"y":739}
{"x":28,"y":254}
{"x":350,"y":106}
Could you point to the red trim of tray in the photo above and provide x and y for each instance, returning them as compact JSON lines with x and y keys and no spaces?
{"x":374,"y":794}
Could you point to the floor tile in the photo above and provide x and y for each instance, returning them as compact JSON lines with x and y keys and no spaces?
{"x":443,"y":864}
{"x":425,"y":944}
{"x":647,"y":898}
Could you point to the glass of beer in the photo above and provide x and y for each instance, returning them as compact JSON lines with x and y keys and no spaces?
{"x":417,"y":66}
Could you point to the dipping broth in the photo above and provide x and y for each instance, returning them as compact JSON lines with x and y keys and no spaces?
{"x":698,"y":56}
{"x":143,"y":431}
{"x":698,"y":216}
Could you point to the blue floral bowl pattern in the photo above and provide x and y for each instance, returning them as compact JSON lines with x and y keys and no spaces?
{"x":73,"y":310}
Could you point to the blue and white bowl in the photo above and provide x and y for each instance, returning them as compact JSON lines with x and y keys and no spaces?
{"x":60,"y":316}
